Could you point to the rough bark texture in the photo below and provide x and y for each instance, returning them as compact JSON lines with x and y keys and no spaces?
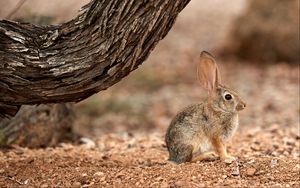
{"x":72,"y":61}
{"x":38,"y":126}
{"x":267,"y":31}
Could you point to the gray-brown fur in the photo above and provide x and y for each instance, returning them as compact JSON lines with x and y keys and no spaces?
{"x":204,"y":127}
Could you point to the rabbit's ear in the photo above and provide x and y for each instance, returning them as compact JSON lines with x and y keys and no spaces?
{"x":208,"y":72}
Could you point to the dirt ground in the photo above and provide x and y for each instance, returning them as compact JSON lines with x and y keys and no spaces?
{"x":266,"y":157}
{"x":122,"y":129}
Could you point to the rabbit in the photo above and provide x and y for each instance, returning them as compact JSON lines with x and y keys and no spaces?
{"x":200,"y":131}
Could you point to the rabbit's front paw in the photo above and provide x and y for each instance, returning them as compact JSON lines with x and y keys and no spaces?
{"x":229,"y":159}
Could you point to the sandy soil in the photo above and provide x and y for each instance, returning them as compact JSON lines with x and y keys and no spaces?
{"x":266,"y":157}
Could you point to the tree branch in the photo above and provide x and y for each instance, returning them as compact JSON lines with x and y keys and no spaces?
{"x":71,"y":61}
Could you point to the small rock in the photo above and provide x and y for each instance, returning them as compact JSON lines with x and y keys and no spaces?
{"x":236,"y":170}
{"x":99,"y":174}
{"x":286,"y":153}
{"x":2,"y":170}
{"x":179,"y":184}
{"x":26,"y":182}
{"x":77,"y":184}
{"x":251,"y":171}
{"x":155,"y":184}
{"x":255,"y":148}
{"x":44,"y":185}
{"x":132,"y":143}
{"x":296,"y":168}
{"x":159,"y":178}
{"x":147,"y":162}
{"x":288,"y":141}
{"x":137,"y":183}
{"x":224,"y":176}
{"x":87,"y":142}
{"x":275,"y":154}
{"x":251,"y":161}
{"x":105,"y":157}
{"x":119,"y":175}
{"x":256,"y":142}
{"x":66,"y":147}
{"x":85,"y":185}
{"x":103,"y":179}
{"x":274,"y":163}
{"x":164,"y":185}
{"x":19,"y":151}
{"x":229,"y":160}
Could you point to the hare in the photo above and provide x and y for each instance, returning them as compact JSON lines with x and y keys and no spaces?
{"x":200,"y":131}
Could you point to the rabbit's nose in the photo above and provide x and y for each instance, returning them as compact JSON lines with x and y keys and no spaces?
{"x":241,"y":106}
{"x":244,"y":105}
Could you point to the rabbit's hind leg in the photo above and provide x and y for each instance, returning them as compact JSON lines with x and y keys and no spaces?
{"x":182,"y":153}
{"x":206,"y":156}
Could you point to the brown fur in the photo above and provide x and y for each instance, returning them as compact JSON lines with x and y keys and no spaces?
{"x":200,"y":129}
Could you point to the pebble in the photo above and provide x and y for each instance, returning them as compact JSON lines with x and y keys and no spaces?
{"x":120,"y":175}
{"x":103,"y":179}
{"x":164,"y":185}
{"x":296,"y":168}
{"x":26,"y":182}
{"x":255,"y":148}
{"x":87,"y":142}
{"x":251,"y":171}
{"x":159,"y":178}
{"x":137,"y":183}
{"x":236,"y":172}
{"x":286,"y":153}
{"x":229,"y":160}
{"x":99,"y":174}
{"x":274,"y":163}
{"x":44,"y":185}
{"x":274,"y":153}
{"x":179,"y":184}
{"x":77,"y":184}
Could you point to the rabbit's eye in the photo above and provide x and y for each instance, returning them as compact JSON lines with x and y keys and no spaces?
{"x":228,"y":97}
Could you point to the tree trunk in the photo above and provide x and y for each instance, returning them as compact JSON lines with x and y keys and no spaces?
{"x":71,"y":61}
{"x":38,"y":126}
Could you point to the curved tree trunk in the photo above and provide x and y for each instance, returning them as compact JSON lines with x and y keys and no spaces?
{"x":72,"y":61}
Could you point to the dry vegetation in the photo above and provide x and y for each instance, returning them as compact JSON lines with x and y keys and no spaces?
{"x":126,"y":123}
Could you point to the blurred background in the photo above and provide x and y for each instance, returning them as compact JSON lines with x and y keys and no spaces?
{"x":256,"y":44}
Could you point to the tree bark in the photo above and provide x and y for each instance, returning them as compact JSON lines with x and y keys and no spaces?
{"x":71,"y":61}
{"x":38,"y":126}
